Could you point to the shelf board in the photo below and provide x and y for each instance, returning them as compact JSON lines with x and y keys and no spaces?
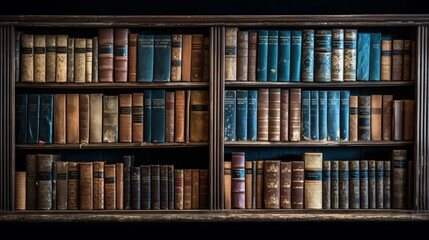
{"x":248,"y":215}
{"x":175,"y":85}
{"x":111,"y":145}
{"x":319,"y":144}
{"x":366,"y":84}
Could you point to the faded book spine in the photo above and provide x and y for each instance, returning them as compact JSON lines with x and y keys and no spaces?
{"x":84,"y":118}
{"x":363,"y":168}
{"x":44,"y":181}
{"x":110,"y":186}
{"x":99,"y":182}
{"x":176,"y":57}
{"x":335,"y":185}
{"x":372,"y":184}
{"x":379,"y":184}
{"x":313,"y":165}
{"x":79,"y":60}
{"x":61,"y":58}
{"x":39,"y":58}
{"x":231,"y":53}
{"x":272,"y":184}
{"x":242,"y":55}
{"x":27,"y":58}
{"x":178,"y":189}
{"x":73,"y":195}
{"x":227,"y":185}
{"x":249,"y":184}
{"x":399,"y":178}
{"x":350,"y":45}
{"x":125,"y":118}
{"x":238,"y":181}
{"x":387,"y":194}
{"x":62,"y":185}
{"x":86,"y":186}
{"x":96,"y":118}
{"x":145,"y":187}
{"x":20,"y":181}
{"x":326,"y":185}
{"x":344,"y":183}
{"x":135,"y":188}
{"x":119,"y":186}
{"x":128,"y":163}
{"x":354,"y":171}
{"x":105,"y":54}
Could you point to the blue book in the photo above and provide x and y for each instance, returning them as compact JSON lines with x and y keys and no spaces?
{"x":262,"y":56}
{"x":344,"y":115}
{"x":284,"y":56}
{"x":147,"y":121}
{"x":375,"y":57}
{"x":314,"y":115}
{"x":362,"y":65}
{"x":21,"y":118}
{"x":322,"y":55}
{"x":273,"y":55}
{"x":230,"y":115}
{"x":307,"y":60}
{"x":252,"y":117}
{"x":305,"y":116}
{"x":333,"y":115}
{"x":46,"y":117}
{"x":145,"y":53}
{"x":162,"y":58}
{"x":295,"y":55}
{"x":158,"y":115}
{"x":323,"y":115}
{"x":242,"y":109}
{"x":33,"y":110}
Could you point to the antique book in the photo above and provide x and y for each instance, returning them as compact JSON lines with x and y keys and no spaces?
{"x":326,"y":184}
{"x":262,"y":56}
{"x":187,"y":189}
{"x":110,"y":186}
{"x":263,"y":113}
{"x":147,"y":115}
{"x":70,"y":59}
{"x":86,"y":186}
{"x":313,"y":165}
{"x":88,"y":62}
{"x":128,"y":163}
{"x":364,"y":118}
{"x":199,"y":116}
{"x":33,"y":117}
{"x":120,"y":55}
{"x":323,"y":55}
{"x":398,"y":120}
{"x":105,"y":54}
{"x":242,"y":55}
{"x":46,"y":118}
{"x":158,"y":116}
{"x":132,"y":57}
{"x":323,"y":115}
{"x":171,"y":186}
{"x":284,"y":55}
{"x":20,"y":188}
{"x":110,"y":118}
{"x":204,"y":188}
{"x":178,"y":189}
{"x":397,"y":59}
{"x":334,"y":110}
{"x":335,"y":185}
{"x":137,"y":117}
{"x":386,"y":57}
{"x":241,"y":115}
{"x":62,"y":184}
{"x":31,"y":182}
{"x":119,"y":170}
{"x":99,"y":182}
{"x":176,"y":57}
{"x":285,"y":185}
{"x":295,"y":55}
{"x":274,"y":115}
{"x":163,"y":187}
{"x":252,"y":56}
{"x":284,"y":114}
{"x":39,"y":58}
{"x":195,"y":202}
{"x":155,"y":189}
{"x":354,"y":118}
{"x":399,"y":178}
{"x":231,"y":54}
{"x":79,"y":60}
{"x":345,"y":115}
{"x":409,"y":122}
{"x":96,"y":118}
{"x":294,"y":114}
{"x":379,"y":184}
{"x":354,"y":188}
{"x":273,"y":55}
{"x":169,"y":116}
{"x":197,"y":58}
{"x":372,"y":184}
{"x":238,"y":180}
{"x":146,"y":197}
{"x":252,"y":114}
{"x":145,"y":57}
{"x":72,"y":118}
{"x":179,"y":125}
{"x":406,"y":61}
{"x":344,"y":179}
{"x":376,"y":116}
{"x":248,"y":184}
{"x":305,"y":115}
{"x":61,"y":58}
{"x":21,"y":121}
{"x":314,"y":115}
{"x":387,"y":194}
{"x":308,"y":56}
{"x":135,"y":188}
{"x":337,"y":70}
{"x":186,"y":57}
{"x":350,"y":59}
{"x":227,"y":185}
{"x":375,"y":56}
{"x":94,"y":68}
{"x":84,"y":118}
{"x":27,"y":58}
{"x":162,"y":58}
{"x":363,"y":170}
{"x":387,"y":117}
{"x":73,"y":193}
{"x":125,"y":117}
{"x":272,"y":184}
{"x":297,"y":184}
{"x":230,"y":115}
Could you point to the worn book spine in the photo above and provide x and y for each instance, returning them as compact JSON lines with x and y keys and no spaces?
{"x":135,"y":188}
{"x":262,"y":56}
{"x":187,"y":189}
{"x":96,"y":118}
{"x":84,"y":118}
{"x":62,"y":184}
{"x":252,"y":55}
{"x":73,"y":194}
{"x":379,"y":184}
{"x":33,"y":116}
{"x":344,"y":115}
{"x":20,"y":181}
{"x":350,"y":45}
{"x":364,"y":121}
{"x":354,"y":118}
{"x":387,"y":194}
{"x":145,"y":57}
{"x":132,"y":57}
{"x":197,"y":58}
{"x":274,"y":115}
{"x":284,"y":114}
{"x":252,"y":118}
{"x":128,"y":163}
{"x":314,"y":115}
{"x":337,"y":70}
{"x":31,"y":181}
{"x":231,"y":53}
{"x":137,"y":117}
{"x":204,"y":188}
{"x":120,"y":55}
{"x":46,"y":118}
{"x":39,"y":58}
{"x":163,"y":187}
{"x":323,"y":55}
{"x":397,"y":59}
{"x":170,"y":180}
{"x":110,"y":118}
{"x":119,"y":169}
{"x":399,"y":178}
{"x":146,"y":197}
{"x":70,"y":59}
{"x":354,"y":171}
{"x":248,"y":184}
{"x":273,"y":55}
{"x":110,"y":186}
{"x":99,"y":182}
{"x":60,"y":71}
{"x":179,"y":124}
{"x":398,"y":120}
{"x":72,"y":118}
{"x":323,"y":115}
{"x":297,"y":184}
{"x":176,"y":57}
{"x":387,"y":117}
{"x":241,"y":115}
{"x":230,"y":117}
{"x":79,"y":60}
{"x":227,"y":184}
{"x":344,"y":179}
{"x":86,"y":186}
{"x":294,"y":115}
{"x":386,"y":57}
{"x":305,"y":115}
{"x":307,"y":57}
{"x":313,"y":165}
{"x":125,"y":118}
{"x":375,"y":57}
{"x":147,"y":115}
{"x":178,"y":189}
{"x":263,"y":113}
{"x":334,"y":112}
{"x":326,"y":185}
{"x":284,"y":55}
{"x":238,"y":181}
{"x":372,"y":184}
{"x":169,"y":116}
{"x":272,"y":184}
{"x":105,"y":54}
{"x":295,"y":55}
{"x":409,"y":122}
{"x":94,"y":59}
{"x":363,"y":168}
{"x":88,"y":58}
{"x":254,"y":183}
{"x":158,"y":116}
{"x":242,"y":55}
{"x":335,"y":185}
{"x":186,"y":57}
{"x":155,"y":188}
{"x":285,"y":185}
{"x":199,"y":116}
{"x":195,"y":202}
{"x":260,"y":184}
{"x":162,"y":58}
{"x":376,"y":117}
{"x":27,"y":58}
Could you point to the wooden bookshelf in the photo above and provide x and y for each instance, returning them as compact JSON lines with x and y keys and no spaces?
{"x":110,"y":145}
{"x":357,"y":84}
{"x":320,"y":144}
{"x":77,"y":86}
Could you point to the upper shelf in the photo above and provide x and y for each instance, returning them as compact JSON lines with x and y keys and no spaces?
{"x":366,"y":84}
{"x":128,"y":85}
{"x":110,"y":145}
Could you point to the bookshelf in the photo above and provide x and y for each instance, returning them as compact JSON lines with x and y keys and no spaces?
{"x":216,"y":150}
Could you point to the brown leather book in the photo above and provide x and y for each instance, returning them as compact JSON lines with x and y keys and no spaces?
{"x":238,"y":180}
{"x":272,"y":184}
{"x":242,"y":55}
{"x":137,"y":117}
{"x":72,"y":118}
{"x":354,"y":110}
{"x":125,"y":118}
{"x":79,"y":60}
{"x":409,"y":116}
{"x":163,"y":187}
{"x":197,"y":58}
{"x":285,"y":185}
{"x":61,"y":58}
{"x":39,"y":58}
{"x":176,"y":57}
{"x":120,"y":54}
{"x":249,"y":184}
{"x":227,"y":184}
{"x":96,"y":118}
{"x":387,"y":117}
{"x":84,"y":113}
{"x":171,"y":186}
{"x":62,"y":184}
{"x":27,"y":58}
{"x":51,"y":57}
{"x":105,"y":54}
{"x":86,"y":186}
{"x":195,"y":188}
{"x":379,"y":182}
{"x":132,"y":57}
{"x":274,"y":115}
{"x":20,"y":188}
{"x":70,"y":59}
{"x":406,"y":61}
{"x":179,"y":131}
{"x":110,"y":118}
{"x":387,"y":192}
{"x":187,"y":189}
{"x":206,"y":59}
{"x":386,"y":59}
{"x":284,"y":115}
{"x":204,"y":189}
{"x":399,"y":178}
{"x":397,"y":120}
{"x":60,"y":118}
{"x":110,"y":186}
{"x":119,"y":170}
{"x":169,"y":116}
{"x":397,"y":59}
{"x":199,"y":116}
{"x":231,"y":53}
{"x":31,"y":181}
{"x":155,"y":186}
{"x":297,"y":184}
{"x":186,"y":57}
{"x":313,"y":180}
{"x":73,"y":194}
{"x":88,"y":62}
{"x":260,"y":184}
{"x":251,"y":64}
{"x":376,"y":116}
{"x":94,"y":59}
{"x":263,"y":109}
{"x":295,"y":115}
{"x":178,"y":189}
{"x":98,"y":185}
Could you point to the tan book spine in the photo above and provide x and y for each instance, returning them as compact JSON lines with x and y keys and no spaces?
{"x":119,"y":170}
{"x":313,"y":180}
{"x":249,"y":184}
{"x":20,"y":189}
{"x":242,"y":55}
{"x":110,"y":119}
{"x":195,"y":188}
{"x":98,"y":185}
{"x":27,"y":58}
{"x":263,"y":113}
{"x":70,"y":60}
{"x":86,"y":186}
{"x":295,"y":115}
{"x":60,"y":118}
{"x":260,"y":184}
{"x":88,"y":60}
{"x":105,"y":54}
{"x":110,"y":186}
{"x":187,"y":189}
{"x":272,"y":184}
{"x":397,"y":59}
{"x":61,"y":58}
{"x":62,"y":184}
{"x":121,"y":54}
{"x":284,"y":115}
{"x":73,"y":194}
{"x":178,"y":189}
{"x":95,"y":59}
{"x":406,"y":60}
{"x":197,"y":58}
{"x":51,"y":57}
{"x":231,"y":53}
{"x":179,"y":124}
{"x":409,"y":122}
{"x":186,"y":57}
{"x":84,"y":114}
{"x":251,"y":64}
{"x":96,"y":117}
{"x":137,"y":117}
{"x":176,"y":57}
{"x":274,"y":115}
{"x":376,"y":116}
{"x":39,"y":58}
{"x":397,"y":120}
{"x":387,"y":117}
{"x":79,"y":60}
{"x":72,"y":118}
{"x":125,"y":118}
{"x":132,"y":57}
{"x":199,"y":116}
{"x":386,"y":60}
{"x":169,"y":116}
{"x":354,"y":114}
{"x":227,"y":185}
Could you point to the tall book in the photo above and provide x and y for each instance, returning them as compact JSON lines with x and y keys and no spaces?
{"x":137,"y":117}
{"x":363,"y":171}
{"x":307,"y":57}
{"x":86,"y":186}
{"x":230,"y":115}
{"x":231,"y":53}
{"x":110,"y":186}
{"x":322,"y":55}
{"x":88,"y":60}
{"x":171,"y":186}
{"x":169,"y":116}
{"x":146,"y":184}
{"x":354,"y":188}
{"x":345,"y":115}
{"x":252,"y":56}
{"x":343,"y":169}
{"x":238,"y":181}
{"x":387,"y":193}
{"x":187,"y":189}
{"x":397,"y":59}
{"x":363,"y":56}
{"x":364,"y":121}
{"x":252,"y":115}
{"x":61,"y":58}
{"x":372,"y":184}
{"x":263,"y":113}
{"x":354,"y":118}
{"x":294,"y":115}
{"x":284,"y":115}
{"x":350,"y":45}
{"x":376,"y":117}
{"x":99,"y":182}
{"x":158,"y":116}
{"x":386,"y":58}
{"x":406,"y":61}
{"x":387,"y":117}
{"x":119,"y":169}
{"x":284,"y":56}
{"x":20,"y":190}
{"x":313,"y":165}
{"x":31,"y":182}
{"x":326,"y":185}
{"x":84,"y":118}
{"x":197,"y":58}
{"x":199,"y":116}
{"x":375,"y":57}
{"x":105,"y":54}
{"x":272,"y":184}
{"x":337,"y":70}
{"x":135,"y":188}
{"x":273,"y":55}
{"x":323,"y":115}
{"x":44,"y":181}
{"x":79,"y":60}
{"x":128,"y":163}
{"x":73,"y":193}
{"x":399,"y":178}
{"x":314,"y":115}
{"x":62,"y":184}
{"x":260,"y":184}
{"x":186,"y":57}
{"x":70,"y":59}
{"x":409,"y":122}
{"x":46,"y":118}
{"x":295,"y":55}
{"x":110,"y":118}
{"x":305,"y":115}
{"x":147,"y":115}
{"x":155,"y":186}
{"x":262,"y":56}
{"x":163,"y":187}
{"x":242,"y":55}
{"x":96,"y":118}
{"x":125,"y":117}
{"x":39,"y":58}
{"x":94,"y":59}
{"x":334,"y":112}
{"x":335,"y":185}
{"x":178,"y":189}
{"x":162,"y":58}
{"x":145,"y":57}
{"x":196,"y":188}
{"x":227,"y":185}
{"x":176,"y":57}
{"x":248,"y":184}
{"x":285,"y":185}
{"x":397,"y":120}
{"x":179,"y":124}
{"x":241,"y":115}
{"x":27,"y":58}
{"x":21,"y":103}
{"x":204,"y":188}
{"x":297,"y":184}
{"x":33,"y":117}
{"x":379,"y":184}
{"x":132,"y":57}
{"x":120,"y":55}
{"x":274,"y":115}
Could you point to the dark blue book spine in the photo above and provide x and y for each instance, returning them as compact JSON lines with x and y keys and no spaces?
{"x":322,"y":55}
{"x":344,"y":115}
{"x":323,"y":115}
{"x":230,"y":115}
{"x":242,"y":109}
{"x":162,"y":58}
{"x":262,"y":56}
{"x":145,"y":58}
{"x":158,"y":115}
{"x":273,"y":55}
{"x":46,"y":117}
{"x":21,"y":118}
{"x":314,"y":115}
{"x":333,"y":115}
{"x":284,"y":56}
{"x":33,"y":111}
{"x":362,"y":65}
{"x":295,"y":55}
{"x":147,"y":122}
{"x":307,"y":61}
{"x":364,"y":122}
{"x":252,"y":117}
{"x":375,"y":57}
{"x":305,"y":117}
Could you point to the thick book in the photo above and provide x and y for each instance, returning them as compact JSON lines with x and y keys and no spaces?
{"x":295,"y":55}
{"x":307,"y":57}
{"x":195,"y":202}
{"x":313,"y":165}
{"x":274,"y":115}
{"x":227,"y":185}
{"x":179,"y":118}
{"x":110,"y":186}
{"x":155,"y":186}
{"x":73,"y":118}
{"x":375,"y":57}
{"x":20,"y":178}
{"x":39,"y":58}
{"x":337,"y":70}
{"x":363,"y":174}
{"x":99,"y":182}
{"x":297,"y":184}
{"x":364,"y":118}
{"x":61,"y":58}
{"x":186,"y":57}
{"x":145,"y":57}
{"x":120,"y":54}
{"x":31,"y":181}
{"x":379,"y":184}
{"x":335,"y":185}
{"x":323,"y":56}
{"x":88,"y":60}
{"x":44,"y":181}
{"x":62,"y":184}
{"x":128,"y":163}
{"x":260,"y":184}
{"x":354,"y":118}
{"x":354,"y":171}
{"x":248,"y":184}
{"x":231,"y":53}
{"x":285,"y":185}
{"x":350,"y":45}
{"x":397,"y":120}
{"x":33,"y":117}
{"x":238,"y":181}
{"x":397,"y":59}
{"x":262,"y":56}
{"x":105,"y":54}
{"x":252,"y":58}
{"x":21,"y":121}
{"x":273,"y":55}
{"x":376,"y":116}
{"x":96,"y":118}
{"x":110,"y":118}
{"x":84,"y":118}
{"x":252,"y":115}
{"x":242,"y":55}
{"x":80,"y":60}
{"x":119,"y":169}
{"x":86,"y":186}
{"x":70,"y":59}
{"x":272,"y":184}
{"x":199,"y":116}
{"x":284,"y":56}
{"x":241,"y":115}
{"x":146,"y":176}
{"x":158,"y":116}
{"x":132,"y":57}
{"x":284,"y":114}
{"x":46,"y":118}
{"x":363,"y":56}
{"x":344,"y":179}
{"x":386,"y":58}
{"x":323,"y":115}
{"x":399,"y":178}
{"x":137,"y":117}
{"x":334,"y":112}
{"x":27,"y":58}
{"x":230,"y":115}
{"x":176,"y":57}
{"x":125,"y":117}
{"x":162,"y":58}
{"x":263,"y":113}
{"x":372,"y":184}
{"x":326,"y":184}
{"x":178,"y":189}
{"x":305,"y":115}
{"x":169,"y":116}
{"x":409,"y":122}
{"x":197,"y":58}
{"x":387,"y":117}
{"x":294,"y":115}
{"x":135,"y":188}
{"x":73,"y":187}
{"x":147,"y":115}
{"x":344,"y":115}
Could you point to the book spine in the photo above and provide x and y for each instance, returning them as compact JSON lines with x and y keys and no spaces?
{"x":249,"y":184}
{"x":408,"y":119}
{"x":61,"y":58}
{"x":227,"y":185}
{"x":197,"y":58}
{"x":86,"y":186}
{"x":371,"y":184}
{"x":364,"y":121}
{"x":70,"y":59}
{"x":241,"y":115}
{"x":99,"y":182}
{"x":169,"y":116}
{"x":137,"y":117}
{"x":260,"y":184}
{"x":252,"y":117}
{"x":31,"y":182}
{"x":397,"y":120}
{"x":132,"y":57}
{"x":178,"y":189}
{"x":105,"y":54}
{"x":21,"y":121}
{"x":163,"y":187}
{"x":120,"y":54}
{"x":46,"y":117}
{"x":171,"y":186}
{"x":397,"y":59}
{"x":62,"y":185}
{"x":187,"y":189}
{"x":379,"y":184}
{"x":27,"y":58}
{"x":231,"y":54}
{"x":386,"y":58}
{"x":110,"y":119}
{"x":72,"y":121}
{"x":20,"y":180}
{"x":307,"y":58}
{"x":355,"y":187}
{"x":242,"y":55}
{"x":79,"y":60}
{"x":147,"y":116}
{"x":39,"y":58}
{"x":344,"y":115}
{"x":295,"y":55}
{"x":204,"y":189}
{"x":350,"y":45}
{"x":96,"y":118}
{"x":285,"y":185}
{"x":399,"y":178}
{"x":155,"y":188}
{"x":297,"y":184}
{"x":145,"y":57}
{"x":295,"y":115}
{"x":162,"y":58}
{"x":326,"y":185}
{"x":376,"y":116}
{"x":354,"y":118}
{"x":179,"y":125}
{"x":110,"y":186}
{"x":344,"y":184}
{"x":88,"y":58}
{"x":313,"y":166}
{"x":273,"y":55}
{"x":272,"y":184}
{"x":94,"y":59}
{"x":314,"y":115}
{"x":387,"y":195}
{"x":363,"y":56}
{"x":284,"y":56}
{"x":274,"y":115}
{"x":230,"y":115}
{"x":387,"y":117}
{"x":146,"y":176}
{"x":284,"y":115}
{"x":238,"y":181}
{"x":263,"y":113}
{"x":305,"y":115}
{"x":199,"y":116}
{"x":322,"y":55}
{"x":375,"y":57}
{"x":135,"y":188}
{"x":195,"y":186}
{"x":119,"y":169}
{"x":337,"y":55}
{"x":254,"y":184}
{"x":186,"y":57}
{"x":363,"y":168}
{"x":406,"y":61}
{"x":334,"y":110}
{"x":33,"y":111}
{"x":125,"y":117}
{"x":128,"y":163}
{"x":176,"y":57}
{"x":73,"y":194}
{"x":252,"y":55}
{"x":323,"y":115}
{"x":84,"y":118}
{"x":262,"y":56}
{"x":335,"y":185}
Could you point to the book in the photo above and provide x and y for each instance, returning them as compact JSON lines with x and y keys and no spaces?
{"x":273,"y":55}
{"x":262,"y":56}
{"x":88,"y":60}
{"x":169,"y":116}
{"x":84,"y":118}
{"x":199,"y":116}
{"x":399,"y":178}
{"x":375,"y":57}
{"x":238,"y":181}
{"x":20,"y":180}
{"x":110,"y":118}
{"x":242,"y":55}
{"x":61,"y":58}
{"x":344,"y":179}
{"x":176,"y":57}
{"x":284,"y":51}
{"x":406,"y":61}
{"x":162,"y":58}
{"x":125,"y":117}
{"x":337,"y":70}
{"x":294,"y":115}
{"x":231,"y":53}
{"x":387,"y":193}
{"x":187,"y":189}
{"x":145,"y":57}
{"x":307,"y":57}
{"x":227,"y":185}
{"x":46,"y":118}
{"x":128,"y":163}
{"x":364,"y":118}
{"x":197,"y":58}
{"x":105,"y":54}
{"x":326,"y":184}
{"x":204,"y":189}
{"x":260,"y":184}
{"x":363,"y":56}
{"x":178,"y":189}
{"x":284,"y":115}
{"x":345,"y":115}
{"x":335,"y":185}
{"x":137,"y":117}
{"x":70,"y":59}
{"x":241,"y":115}
{"x":171,"y":187}
{"x":323,"y":115}
{"x":387,"y":117}
{"x":285,"y":185}
{"x":195,"y":186}
{"x":72,"y":119}
{"x":120,"y":54}
{"x":110,"y":186}
{"x":96,"y":118}
{"x":155,"y":186}
{"x":21,"y":121}
{"x":305,"y":115}
{"x":334,"y":112}
{"x":274,"y":115}
{"x":132,"y":57}
{"x":323,"y":55}
{"x":27,"y":58}
{"x":135,"y":188}
{"x":252,"y":115}
{"x":248,"y":184}
{"x":313,"y":165}
{"x":33,"y":117}
{"x":263,"y":113}
{"x":44,"y":181}
{"x":363,"y":171}
{"x":163,"y":187}
{"x":397,"y":59}
{"x":94,"y":68}
{"x":314,"y":115}
{"x":147,"y":116}
{"x":408,"y":119}
{"x":73,"y":193}
{"x":376,"y":116}
{"x":350,"y":56}
{"x":295,"y":55}
{"x":31,"y":182}
{"x":119,"y":170}
{"x":354,"y":118}
{"x":62,"y":184}
{"x":354,"y":188}
{"x":397,"y":120}
{"x":186,"y":57}
{"x":272,"y":184}
{"x":179,"y":124}
{"x":86,"y":186}
{"x":79,"y":60}
{"x":252,"y":55}
{"x":230,"y":115}
{"x":297,"y":184}
{"x":379,"y":184}
{"x":39,"y":58}
{"x":99,"y":184}
{"x":146,"y":184}
{"x":386,"y":57}
{"x":372,"y":184}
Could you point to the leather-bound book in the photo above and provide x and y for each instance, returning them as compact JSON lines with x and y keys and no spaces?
{"x":376,"y":117}
{"x":387,"y":117}
{"x":284,"y":115}
{"x":79,"y":60}
{"x":206,"y":59}
{"x":86,"y":186}
{"x":162,"y":58}
{"x":128,"y":163}
{"x":99,"y":185}
{"x":344,"y":178}
{"x":27,"y":58}
{"x":110,"y":186}
{"x":132,"y":57}
{"x":354,"y":118}
{"x":135,"y":188}
{"x":399,"y":178}
{"x":335,"y":185}
{"x":62,"y":184}
{"x":105,"y":54}
{"x":186,"y":57}
{"x":70,"y":59}
{"x":119,"y":169}
{"x":273,"y":56}
{"x":387,"y":193}
{"x":241,"y":115}
{"x":197,"y":58}
{"x":31,"y":181}
{"x":51,"y":57}
{"x":272,"y":184}
{"x":372,"y":184}
{"x":170,"y":180}
{"x":326,"y":185}
{"x":145,"y":57}
{"x":137,"y":117}
{"x":252,"y":46}
{"x":94,"y":68}
{"x":169,"y":116}
{"x":263,"y":113}
{"x":96,"y":118}
{"x":242,"y":55}
{"x":120,"y":54}
{"x":158,"y":116}
{"x":21,"y":118}
{"x":110,"y":119}
{"x":295,"y":115}
{"x":379,"y":184}
{"x":61,"y":58}
{"x":307,"y":56}
{"x":306,"y":117}
{"x":313,"y":180}
{"x":259,"y":184}
{"x":88,"y":57}
{"x":337,"y":55}
{"x":350,"y":45}
{"x":44,"y":181}
{"x":285,"y":185}
{"x":386,"y":57}
{"x":238,"y":181}
{"x":249,"y":184}
{"x":33,"y":117}
{"x":178,"y":189}
{"x":230,"y":115}
{"x":274,"y":115}
{"x":397,"y":59}
{"x":39,"y":58}
{"x":406,"y":68}
{"x":398,"y":120}
{"x":84,"y":118}
{"x":179,"y":125}
{"x":204,"y":188}
{"x":187,"y":189}
{"x":195,"y":188}
{"x":354,"y":187}
{"x":364,"y":122}
{"x":231,"y":53}
{"x":125,"y":118}
{"x":284,"y":55}
{"x":155,"y":186}
{"x":297,"y":184}
{"x":163,"y":187}
{"x":72,"y":118}
{"x":73,"y":194}
{"x":227,"y":184}
{"x":146,"y":185}
{"x":409,"y":122}
{"x":46,"y":118}
{"x":20,"y":181}
{"x":363,"y":171}
{"x":199,"y":116}
{"x":176,"y":57}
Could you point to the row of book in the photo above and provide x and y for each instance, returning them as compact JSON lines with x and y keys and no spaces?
{"x":115,"y":55}
{"x":282,"y":114}
{"x":315,"y":183}
{"x":50,"y":184}
{"x":321,"y":55}
{"x":153,"y":116}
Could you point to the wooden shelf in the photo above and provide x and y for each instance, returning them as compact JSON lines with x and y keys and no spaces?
{"x":357,"y":84}
{"x":110,"y":145}
{"x":319,"y":144}
{"x":71,"y":86}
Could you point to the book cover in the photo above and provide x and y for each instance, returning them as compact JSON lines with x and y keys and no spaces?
{"x":39,"y":58}
{"x":363,"y":56}
{"x":297,"y":184}
{"x":84,"y":118}
{"x":295,"y":55}
{"x":354,"y":171}
{"x":44,"y":181}
{"x":176,"y":57}
{"x":344,"y":179}
{"x":110,"y":118}
{"x":323,"y":115}
{"x":199,"y":116}
{"x":262,"y":56}
{"x":238,"y":181}
{"x":252,"y":55}
{"x":241,"y":115}
{"x":350,"y":45}
{"x":135,"y":188}
{"x":33,"y":116}
{"x":337,"y":70}
{"x":326,"y":184}
{"x":313,"y":166}
{"x":274,"y":115}
{"x":376,"y":116}
{"x":162,"y":58}
{"x":146,"y":184}
{"x":105,"y":54}
{"x":375,"y":57}
{"x":379,"y":184}
{"x":386,"y":57}
{"x":294,"y":115}
{"x":21,"y":118}
{"x":145,"y":57}
{"x":125,"y":118}
{"x":86,"y":186}
{"x":99,"y":185}
{"x":307,"y":57}
{"x":273,"y":55}
{"x":137,"y":117}
{"x":305,"y":115}
{"x":284,"y":55}
{"x":31,"y":181}
{"x":323,"y":55}
{"x":364,"y":118}
{"x":263,"y":113}
{"x":344,"y":115}
{"x":27,"y":58}
{"x":46,"y":117}
{"x":334,"y":111}
{"x":252,"y":117}
{"x":61,"y":58}
{"x":120,"y":54}
{"x":197,"y":57}
{"x":231,"y":53}
{"x":110,"y":186}
{"x":272,"y":184}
